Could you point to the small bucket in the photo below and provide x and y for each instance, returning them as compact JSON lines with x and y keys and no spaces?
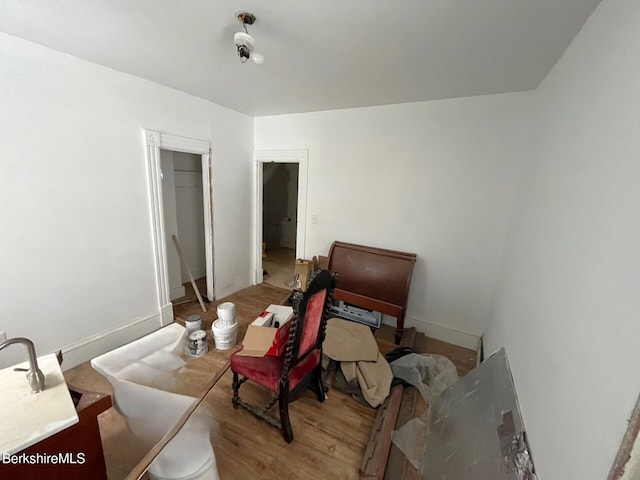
{"x":224,"y":337}
{"x":193,"y":323}
{"x":197,"y":343}
{"x":226,"y":314}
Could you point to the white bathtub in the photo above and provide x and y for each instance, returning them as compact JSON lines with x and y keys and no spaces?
{"x":142,"y":374}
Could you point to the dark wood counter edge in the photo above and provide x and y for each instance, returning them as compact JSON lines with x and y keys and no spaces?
{"x":89,"y":403}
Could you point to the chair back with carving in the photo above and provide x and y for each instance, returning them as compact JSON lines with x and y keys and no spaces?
{"x":310,"y":321}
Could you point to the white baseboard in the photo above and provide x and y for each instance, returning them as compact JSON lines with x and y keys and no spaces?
{"x":444,"y":334}
{"x":166,"y":314}
{"x":84,"y":350}
{"x":177,"y":292}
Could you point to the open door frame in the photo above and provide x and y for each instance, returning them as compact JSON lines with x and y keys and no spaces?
{"x":301,"y":157}
{"x":156,"y":141}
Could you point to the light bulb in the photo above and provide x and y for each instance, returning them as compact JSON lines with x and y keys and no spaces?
{"x":257,"y":58}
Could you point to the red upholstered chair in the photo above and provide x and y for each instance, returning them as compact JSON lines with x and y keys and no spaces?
{"x":300,"y":367}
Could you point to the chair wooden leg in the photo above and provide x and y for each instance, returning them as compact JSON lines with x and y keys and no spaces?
{"x":236,"y":386}
{"x":316,"y":383}
{"x":285,"y":423}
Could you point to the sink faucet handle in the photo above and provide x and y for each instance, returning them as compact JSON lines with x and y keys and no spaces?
{"x":36,"y":380}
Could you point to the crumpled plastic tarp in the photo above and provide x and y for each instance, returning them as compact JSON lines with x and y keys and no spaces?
{"x":410,"y":439}
{"x":430,"y":374}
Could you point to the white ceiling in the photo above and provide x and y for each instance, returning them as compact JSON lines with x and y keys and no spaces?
{"x":318,"y":55}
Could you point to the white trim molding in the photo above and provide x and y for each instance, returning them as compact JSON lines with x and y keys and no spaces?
{"x":301,"y":157}
{"x":176,"y":143}
{"x":155,"y":141}
{"x":439,"y":332}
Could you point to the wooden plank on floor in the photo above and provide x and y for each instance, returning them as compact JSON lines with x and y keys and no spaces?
{"x":374,"y":460}
{"x":396,"y":465}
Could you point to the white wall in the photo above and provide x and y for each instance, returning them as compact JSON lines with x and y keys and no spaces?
{"x":233,"y":173}
{"x":75,"y":223}
{"x":434,"y":178}
{"x":568,"y":306}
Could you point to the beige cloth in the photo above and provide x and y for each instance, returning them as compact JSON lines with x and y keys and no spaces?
{"x":353,"y":345}
{"x":347,"y":341}
{"x":374,"y":378}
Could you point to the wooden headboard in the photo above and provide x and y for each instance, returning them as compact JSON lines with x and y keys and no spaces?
{"x":373,"y":278}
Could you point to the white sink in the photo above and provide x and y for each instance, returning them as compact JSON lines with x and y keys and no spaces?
{"x":25,"y":417}
{"x":144,"y":380}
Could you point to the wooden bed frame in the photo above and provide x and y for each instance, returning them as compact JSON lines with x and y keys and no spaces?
{"x":373,"y":278}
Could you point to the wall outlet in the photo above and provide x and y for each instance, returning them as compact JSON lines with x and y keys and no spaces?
{"x":314,"y":219}
{"x":3,"y":336}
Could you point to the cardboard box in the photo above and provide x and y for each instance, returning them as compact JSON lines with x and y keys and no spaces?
{"x":261,"y":340}
{"x":320,"y":262}
{"x":265,"y":319}
{"x":302,"y":272}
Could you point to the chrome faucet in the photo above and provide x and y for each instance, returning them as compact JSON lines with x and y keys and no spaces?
{"x":34,"y":374}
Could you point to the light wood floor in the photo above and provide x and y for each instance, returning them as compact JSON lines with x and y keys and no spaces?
{"x":330,"y":437}
{"x":279,"y":265}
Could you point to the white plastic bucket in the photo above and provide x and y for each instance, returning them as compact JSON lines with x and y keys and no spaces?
{"x":226,"y":314}
{"x":224,"y":337}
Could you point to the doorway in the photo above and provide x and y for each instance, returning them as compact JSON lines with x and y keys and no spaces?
{"x":183,"y":214}
{"x":156,"y":143}
{"x":279,"y":223}
{"x":280,"y":214}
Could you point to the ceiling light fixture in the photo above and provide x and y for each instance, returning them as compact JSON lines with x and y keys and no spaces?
{"x":245,"y":44}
